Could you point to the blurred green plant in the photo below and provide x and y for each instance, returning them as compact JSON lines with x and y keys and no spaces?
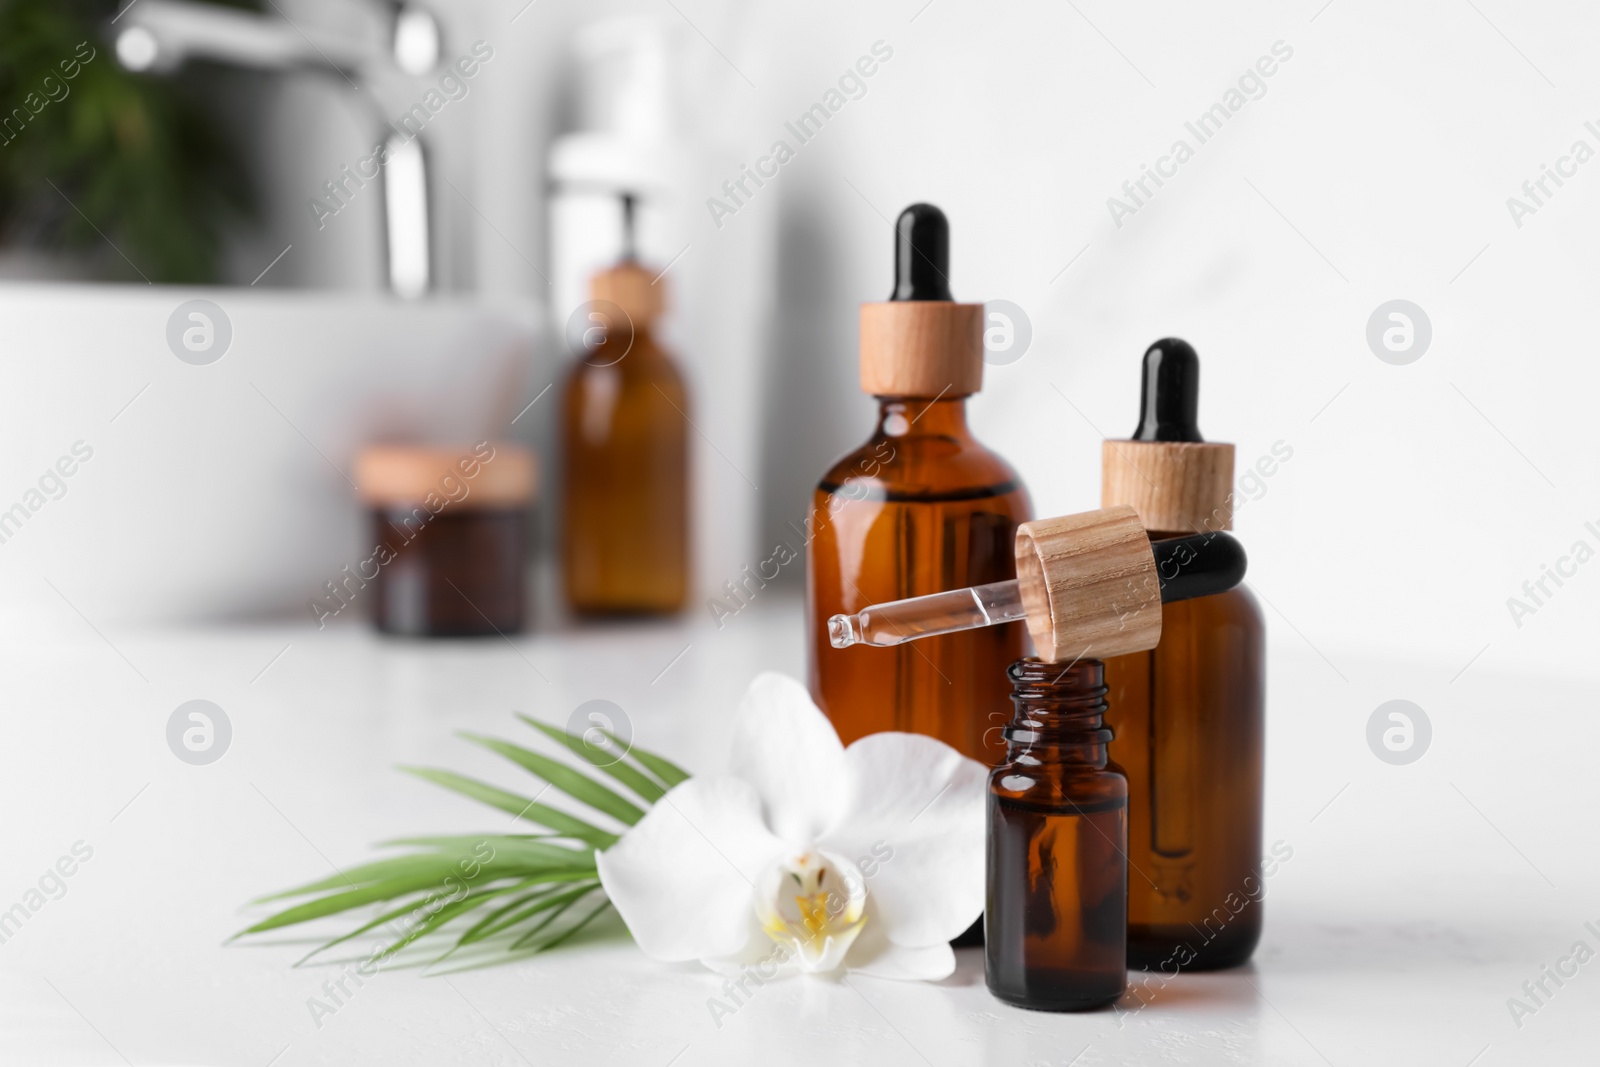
{"x":91,"y":154}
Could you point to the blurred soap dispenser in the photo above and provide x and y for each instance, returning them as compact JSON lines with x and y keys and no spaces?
{"x":625,"y":450}
{"x":625,"y":139}
{"x":640,"y":154}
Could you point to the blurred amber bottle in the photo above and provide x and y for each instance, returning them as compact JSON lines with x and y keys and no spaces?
{"x":1188,"y":715}
{"x":624,"y":414}
{"x":921,"y":507}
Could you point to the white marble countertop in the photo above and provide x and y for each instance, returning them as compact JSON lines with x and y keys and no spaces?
{"x":1417,"y":901}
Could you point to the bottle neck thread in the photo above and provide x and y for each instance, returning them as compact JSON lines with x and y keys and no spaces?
{"x":1059,"y":711}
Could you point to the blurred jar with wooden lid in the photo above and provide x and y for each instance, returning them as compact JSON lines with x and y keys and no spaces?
{"x":449,"y":529}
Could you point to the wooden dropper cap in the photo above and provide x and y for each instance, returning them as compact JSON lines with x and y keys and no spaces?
{"x":1089,"y":585}
{"x":920,"y":342}
{"x":1176,"y":480}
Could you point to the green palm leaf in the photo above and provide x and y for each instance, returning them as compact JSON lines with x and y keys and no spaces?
{"x":523,"y":808}
{"x":575,"y":784}
{"x":503,"y":848}
{"x":567,"y":901}
{"x":628,"y":775}
{"x":535,"y":881}
{"x":559,"y":901}
{"x":508,"y":915}
{"x":401,"y":912}
{"x":662,"y":768}
{"x":451,"y":911}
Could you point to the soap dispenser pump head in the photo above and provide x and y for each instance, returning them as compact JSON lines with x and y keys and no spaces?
{"x":921,"y":254}
{"x":1169,"y":398}
{"x":630,"y":240}
{"x":639,"y":291}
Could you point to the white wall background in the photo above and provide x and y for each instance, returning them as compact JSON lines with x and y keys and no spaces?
{"x":1376,"y":166}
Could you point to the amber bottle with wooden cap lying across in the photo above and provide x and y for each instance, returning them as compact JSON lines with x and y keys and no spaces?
{"x":1055,"y":921}
{"x":919,"y":508}
{"x":625,"y":447}
{"x":1187,"y":715}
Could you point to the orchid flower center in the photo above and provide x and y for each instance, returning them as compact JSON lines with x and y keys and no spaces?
{"x":814,"y":905}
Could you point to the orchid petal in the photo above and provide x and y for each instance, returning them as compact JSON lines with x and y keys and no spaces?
{"x":786,"y":748}
{"x":913,"y":822}
{"x":876,"y":956}
{"x":681,"y":877}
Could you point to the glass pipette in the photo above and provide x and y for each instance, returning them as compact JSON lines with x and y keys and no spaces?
{"x":1186,"y":567}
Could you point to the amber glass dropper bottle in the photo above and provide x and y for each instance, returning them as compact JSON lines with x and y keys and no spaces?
{"x":624,"y":413}
{"x":1187,"y":715}
{"x":920,"y":508}
{"x":1055,"y":921}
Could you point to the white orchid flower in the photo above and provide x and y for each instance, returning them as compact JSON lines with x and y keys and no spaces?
{"x":808,"y":855}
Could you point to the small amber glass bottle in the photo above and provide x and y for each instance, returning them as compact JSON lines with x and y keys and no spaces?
{"x":625,"y":442}
{"x":1055,"y":923}
{"x":1188,"y":715}
{"x":922,"y":507}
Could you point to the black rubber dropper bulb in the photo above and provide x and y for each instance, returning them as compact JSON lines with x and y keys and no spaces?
{"x":1169,"y":398}
{"x":921,"y":254}
{"x":1199,"y":565}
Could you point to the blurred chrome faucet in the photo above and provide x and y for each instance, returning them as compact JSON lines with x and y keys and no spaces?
{"x":159,"y":36}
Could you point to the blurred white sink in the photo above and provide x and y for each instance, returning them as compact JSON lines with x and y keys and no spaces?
{"x":219,"y":490}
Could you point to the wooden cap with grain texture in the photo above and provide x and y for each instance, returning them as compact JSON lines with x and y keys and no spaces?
{"x":921,"y":348}
{"x":1175,"y":486}
{"x":1089,"y":585}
